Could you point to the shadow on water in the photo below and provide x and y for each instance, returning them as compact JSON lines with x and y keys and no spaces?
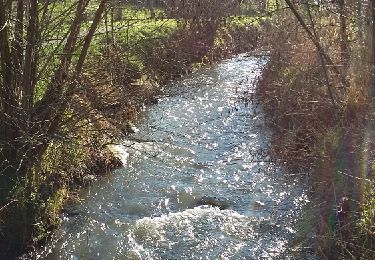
{"x":197,"y":181}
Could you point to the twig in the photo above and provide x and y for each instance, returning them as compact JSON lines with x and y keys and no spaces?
{"x":7,"y":205}
{"x":354,"y":177}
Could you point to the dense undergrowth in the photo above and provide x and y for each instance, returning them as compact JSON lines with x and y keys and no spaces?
{"x":329,"y":138}
{"x":124,"y":71}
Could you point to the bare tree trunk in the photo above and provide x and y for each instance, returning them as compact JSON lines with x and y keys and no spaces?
{"x":344,"y":43}
{"x":17,"y":53}
{"x":317,"y":44}
{"x":28,"y":81}
{"x":360,"y":20}
{"x":150,"y":6}
{"x":42,"y":112}
{"x":107,"y":40}
{"x":117,"y":13}
{"x":7,"y":108}
{"x":373,"y":49}
{"x":321,"y":57}
{"x":6,"y":62}
{"x":52,"y":122}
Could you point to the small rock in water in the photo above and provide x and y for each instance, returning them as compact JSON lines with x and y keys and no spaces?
{"x":212,"y":201}
{"x":70,"y":212}
{"x":258,"y":204}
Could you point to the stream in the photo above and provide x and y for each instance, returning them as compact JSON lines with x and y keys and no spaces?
{"x":204,"y":138}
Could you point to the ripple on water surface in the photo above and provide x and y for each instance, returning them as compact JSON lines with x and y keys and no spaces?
{"x":203,"y":138}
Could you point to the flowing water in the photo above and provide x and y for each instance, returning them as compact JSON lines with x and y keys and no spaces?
{"x":203,"y":138}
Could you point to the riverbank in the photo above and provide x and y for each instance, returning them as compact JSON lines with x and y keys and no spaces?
{"x":327,"y":132}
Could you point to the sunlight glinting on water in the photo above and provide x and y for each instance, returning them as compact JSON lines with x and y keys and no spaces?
{"x":203,"y":139}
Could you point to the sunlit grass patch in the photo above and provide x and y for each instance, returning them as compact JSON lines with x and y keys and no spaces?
{"x":246,"y":20}
{"x":367,"y":221}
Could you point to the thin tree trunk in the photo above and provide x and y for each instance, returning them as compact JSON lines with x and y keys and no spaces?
{"x":42,"y":110}
{"x":344,"y":43}
{"x":28,"y":77}
{"x":108,"y":42}
{"x":6,"y":61}
{"x":373,"y":49}
{"x":59,"y":111}
{"x":321,"y":57}
{"x":360,"y":20}
{"x":308,"y":31}
{"x":7,"y":108}
{"x":150,"y":5}
{"x":17,"y":52}
{"x":318,"y":46}
{"x":89,"y":36}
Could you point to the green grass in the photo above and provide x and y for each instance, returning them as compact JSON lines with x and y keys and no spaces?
{"x":135,"y":31}
{"x":367,"y":221}
{"x":141,"y":32}
{"x":246,"y":20}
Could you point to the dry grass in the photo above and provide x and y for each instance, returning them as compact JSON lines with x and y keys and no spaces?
{"x":327,"y":138}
